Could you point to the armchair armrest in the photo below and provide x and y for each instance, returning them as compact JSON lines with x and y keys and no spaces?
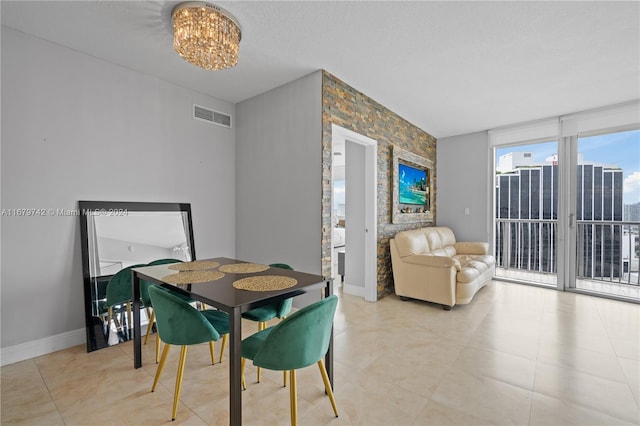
{"x":434,"y":261}
{"x":472,"y":248}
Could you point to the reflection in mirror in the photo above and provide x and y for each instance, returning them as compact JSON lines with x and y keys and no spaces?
{"x":138,"y":237}
{"x":118,"y":235}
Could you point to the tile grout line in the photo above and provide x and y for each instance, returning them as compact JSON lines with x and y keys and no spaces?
{"x":537,"y":363}
{"x":627,"y":381}
{"x":44,"y":382}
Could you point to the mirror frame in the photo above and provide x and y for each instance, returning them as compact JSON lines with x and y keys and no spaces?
{"x":116,"y":208}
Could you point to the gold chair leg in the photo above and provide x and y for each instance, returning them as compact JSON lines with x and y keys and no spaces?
{"x":242,"y":363}
{"x":165,"y":352}
{"x":327,"y":386}
{"x":113,"y":316}
{"x":109,"y":314}
{"x":158,"y":341}
{"x":176,"y":395}
{"x":129,"y":324}
{"x":224,"y":345}
{"x":149,"y":326}
{"x":116,"y":322}
{"x":294,"y":398}
{"x":211,"y":349}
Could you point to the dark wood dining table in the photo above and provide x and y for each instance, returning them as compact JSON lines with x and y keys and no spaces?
{"x":221,"y":294}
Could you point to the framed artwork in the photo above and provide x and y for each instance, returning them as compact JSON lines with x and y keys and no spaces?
{"x":412,"y":187}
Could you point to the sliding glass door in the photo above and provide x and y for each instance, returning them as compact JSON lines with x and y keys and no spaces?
{"x":605,"y":218}
{"x":567,"y":213}
{"x":526,"y":212}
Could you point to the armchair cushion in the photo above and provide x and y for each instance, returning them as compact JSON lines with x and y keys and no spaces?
{"x":472,"y":248}
{"x":431,"y":260}
{"x":412,"y":243}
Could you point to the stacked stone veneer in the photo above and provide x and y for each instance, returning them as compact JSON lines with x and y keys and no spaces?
{"x":346,"y":107}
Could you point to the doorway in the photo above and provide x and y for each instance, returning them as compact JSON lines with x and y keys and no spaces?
{"x":353,"y":213}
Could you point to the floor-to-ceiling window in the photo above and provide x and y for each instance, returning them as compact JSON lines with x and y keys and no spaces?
{"x":567,"y":202}
{"x":607,"y":213}
{"x":526,"y":212}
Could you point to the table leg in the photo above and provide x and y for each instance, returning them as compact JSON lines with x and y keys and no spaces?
{"x":137,"y":340}
{"x":235,"y":372}
{"x":328,"y":358}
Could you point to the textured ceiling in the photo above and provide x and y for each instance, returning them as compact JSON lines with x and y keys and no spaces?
{"x":448,"y":67}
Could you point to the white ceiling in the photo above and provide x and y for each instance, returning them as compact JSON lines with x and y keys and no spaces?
{"x":448,"y":67}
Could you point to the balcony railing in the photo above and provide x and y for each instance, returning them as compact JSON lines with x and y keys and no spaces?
{"x":605,"y":251}
{"x":527,"y":245}
{"x":608,"y":251}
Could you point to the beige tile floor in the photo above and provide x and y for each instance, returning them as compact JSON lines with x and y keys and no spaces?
{"x":516,"y":355}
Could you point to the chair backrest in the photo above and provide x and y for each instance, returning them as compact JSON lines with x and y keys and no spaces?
{"x":281,"y":265}
{"x":299,"y":340}
{"x":284,"y":307}
{"x":178,"y":322}
{"x":119,"y":286}
{"x":144,"y":285}
{"x":164,"y":262}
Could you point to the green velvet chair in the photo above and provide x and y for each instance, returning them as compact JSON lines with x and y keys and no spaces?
{"x":296,"y":342}
{"x":119,"y":297}
{"x":179,"y":323}
{"x":146,"y":301}
{"x":266,"y":313}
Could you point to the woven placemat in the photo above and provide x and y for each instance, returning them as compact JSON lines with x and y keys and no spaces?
{"x":243,"y":268}
{"x":265,"y":283}
{"x":196,"y":265}
{"x":193,"y":277}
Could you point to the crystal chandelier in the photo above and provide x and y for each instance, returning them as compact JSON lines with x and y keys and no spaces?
{"x":206,"y":35}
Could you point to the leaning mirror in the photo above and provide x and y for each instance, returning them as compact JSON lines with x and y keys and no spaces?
{"x":117,"y":235}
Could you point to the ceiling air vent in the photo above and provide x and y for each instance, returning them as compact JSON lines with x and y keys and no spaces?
{"x":211,"y":116}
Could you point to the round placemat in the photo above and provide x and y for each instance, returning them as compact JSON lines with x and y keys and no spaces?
{"x":193,"y":277}
{"x":196,"y":265}
{"x":243,"y":268}
{"x":265,"y":283}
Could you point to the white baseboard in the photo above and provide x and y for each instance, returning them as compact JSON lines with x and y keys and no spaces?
{"x":353,"y":290}
{"x":34,"y":348}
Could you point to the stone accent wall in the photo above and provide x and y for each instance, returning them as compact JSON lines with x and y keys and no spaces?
{"x":347,"y":107}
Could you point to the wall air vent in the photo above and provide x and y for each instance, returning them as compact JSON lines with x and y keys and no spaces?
{"x":211,"y":116}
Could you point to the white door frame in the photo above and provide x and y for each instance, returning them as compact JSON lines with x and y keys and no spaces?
{"x":371,"y":206}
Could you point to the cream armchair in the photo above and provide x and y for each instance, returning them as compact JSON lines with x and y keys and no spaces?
{"x":428,"y":264}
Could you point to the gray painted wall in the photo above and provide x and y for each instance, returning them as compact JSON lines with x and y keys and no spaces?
{"x":278,"y":175}
{"x":463,"y":179}
{"x":78,"y":128}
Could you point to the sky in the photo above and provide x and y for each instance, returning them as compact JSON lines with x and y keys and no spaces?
{"x":409,"y":175}
{"x":616,"y":149}
{"x":621,"y":149}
